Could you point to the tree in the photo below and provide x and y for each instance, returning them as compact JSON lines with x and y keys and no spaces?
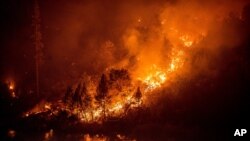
{"x":86,"y":98}
{"x":77,"y":99}
{"x":68,"y":95}
{"x":37,"y":42}
{"x":138,"y":95}
{"x":101,"y":93}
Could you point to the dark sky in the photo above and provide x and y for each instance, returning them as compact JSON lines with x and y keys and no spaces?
{"x":16,"y":41}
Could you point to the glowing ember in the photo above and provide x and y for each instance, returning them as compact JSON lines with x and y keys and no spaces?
{"x":11,"y":86}
{"x":13,"y":95}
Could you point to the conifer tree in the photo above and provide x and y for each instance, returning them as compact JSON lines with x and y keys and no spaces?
{"x":101,"y":94}
{"x":138,"y":95}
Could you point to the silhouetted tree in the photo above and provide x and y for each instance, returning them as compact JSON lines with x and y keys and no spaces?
{"x":101,"y":93}
{"x":68,"y":95}
{"x":37,"y":42}
{"x":138,"y":95}
{"x":77,"y":99}
{"x":86,"y":98}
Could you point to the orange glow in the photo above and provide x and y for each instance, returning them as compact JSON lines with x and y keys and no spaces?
{"x":156,"y":50}
{"x":153,"y":78}
{"x":11,"y":86}
{"x":186,"y":41}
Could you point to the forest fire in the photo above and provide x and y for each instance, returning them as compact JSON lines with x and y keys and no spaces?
{"x":116,"y":70}
{"x":154,"y":78}
{"x":120,"y":98}
{"x":118,"y":91}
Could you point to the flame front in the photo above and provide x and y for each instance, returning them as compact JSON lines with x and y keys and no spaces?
{"x":154,"y":78}
{"x":157,"y":50}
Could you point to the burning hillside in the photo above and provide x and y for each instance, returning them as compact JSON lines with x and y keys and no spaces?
{"x":124,"y":70}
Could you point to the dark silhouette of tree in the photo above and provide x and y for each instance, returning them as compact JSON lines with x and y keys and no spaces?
{"x":101,"y":94}
{"x":138,"y":95}
{"x":86,"y":98}
{"x":68,"y":95}
{"x":77,"y":99}
{"x":37,"y":42}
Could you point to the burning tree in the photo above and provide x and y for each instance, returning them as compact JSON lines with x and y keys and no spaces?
{"x":86,"y":98}
{"x":77,"y":98}
{"x":138,"y":95}
{"x":102,"y":94}
{"x":68,"y":95}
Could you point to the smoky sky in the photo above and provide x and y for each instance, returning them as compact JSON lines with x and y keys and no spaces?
{"x":84,"y":36}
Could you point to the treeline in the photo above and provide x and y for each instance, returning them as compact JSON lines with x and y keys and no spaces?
{"x":116,"y":85}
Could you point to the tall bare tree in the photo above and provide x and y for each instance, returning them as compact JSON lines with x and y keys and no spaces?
{"x":37,"y":42}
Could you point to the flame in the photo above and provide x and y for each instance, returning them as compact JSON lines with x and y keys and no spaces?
{"x":154,"y":78}
{"x":87,"y":137}
{"x":116,"y":108}
{"x":186,"y":40}
{"x":11,"y":86}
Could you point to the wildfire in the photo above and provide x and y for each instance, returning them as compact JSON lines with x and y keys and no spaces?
{"x":154,"y":78}
{"x":177,"y":60}
{"x":159,"y":54}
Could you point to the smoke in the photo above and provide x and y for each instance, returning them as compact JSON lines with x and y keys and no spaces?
{"x":90,"y":37}
{"x":142,"y":36}
{"x":172,"y":35}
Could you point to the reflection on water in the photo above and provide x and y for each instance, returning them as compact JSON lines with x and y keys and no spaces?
{"x":97,"y":137}
{"x":50,"y":136}
{"x":87,"y":137}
